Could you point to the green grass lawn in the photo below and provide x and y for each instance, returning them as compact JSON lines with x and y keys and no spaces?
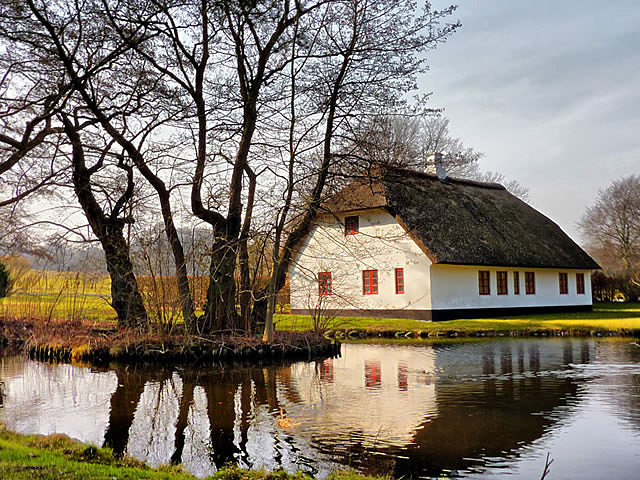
{"x":56,"y":457}
{"x":609,"y":317}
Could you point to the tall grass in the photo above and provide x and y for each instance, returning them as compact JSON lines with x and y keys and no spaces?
{"x":71,"y":296}
{"x":77,"y":297}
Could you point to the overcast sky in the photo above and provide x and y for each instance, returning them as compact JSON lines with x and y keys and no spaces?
{"x":549,"y":91}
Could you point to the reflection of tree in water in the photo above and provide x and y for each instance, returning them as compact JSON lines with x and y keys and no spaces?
{"x":231,"y":397}
{"x":496,"y":400}
{"x":124,"y":402}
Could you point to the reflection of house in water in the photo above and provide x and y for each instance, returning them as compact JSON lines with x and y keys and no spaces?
{"x":412,"y":409}
{"x":373,"y":396}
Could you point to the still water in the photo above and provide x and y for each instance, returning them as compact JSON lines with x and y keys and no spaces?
{"x":471,"y":409}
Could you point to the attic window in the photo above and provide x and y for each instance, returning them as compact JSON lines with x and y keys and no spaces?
{"x":530,"y":283}
{"x":324,"y":283}
{"x":502,"y":283}
{"x":351,"y":225}
{"x":580,"y":283}
{"x":563,"y":278}
{"x":483,"y":283}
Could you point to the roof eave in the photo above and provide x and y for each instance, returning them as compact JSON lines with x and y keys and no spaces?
{"x":554,"y":267}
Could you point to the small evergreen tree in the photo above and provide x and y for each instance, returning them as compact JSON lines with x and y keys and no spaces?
{"x":4,"y":281}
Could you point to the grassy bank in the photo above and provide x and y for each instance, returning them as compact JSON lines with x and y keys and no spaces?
{"x":605,"y":318}
{"x":58,"y":457}
{"x":77,"y":341}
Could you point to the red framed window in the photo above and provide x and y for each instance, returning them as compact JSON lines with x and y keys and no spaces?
{"x":370,"y":282}
{"x":580,"y":283}
{"x":563,"y":279}
{"x":530,"y":283}
{"x":351,"y":225}
{"x":399,"y":281}
{"x":503,"y":289}
{"x":324,"y":283}
{"x":516,"y":283}
{"x":483,"y":283}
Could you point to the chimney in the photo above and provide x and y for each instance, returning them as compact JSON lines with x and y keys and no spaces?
{"x":441,"y":171}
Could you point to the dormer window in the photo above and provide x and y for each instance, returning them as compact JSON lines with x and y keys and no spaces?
{"x":351,"y":225}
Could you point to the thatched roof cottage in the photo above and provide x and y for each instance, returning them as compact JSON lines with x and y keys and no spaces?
{"x":407,"y":244}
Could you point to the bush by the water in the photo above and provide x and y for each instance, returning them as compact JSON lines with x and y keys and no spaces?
{"x":4,"y":280}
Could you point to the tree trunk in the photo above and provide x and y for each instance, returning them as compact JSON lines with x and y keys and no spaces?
{"x":125,"y":295}
{"x":186,"y":299}
{"x":246,"y":290}
{"x":259,"y":311}
{"x":245,"y":295}
{"x":220,"y":311}
{"x":269,"y":329}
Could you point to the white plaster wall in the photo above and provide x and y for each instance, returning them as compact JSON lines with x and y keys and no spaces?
{"x":381,"y":245}
{"x":456,"y":287}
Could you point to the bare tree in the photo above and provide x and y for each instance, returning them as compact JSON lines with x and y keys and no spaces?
{"x":31,"y":91}
{"x":368,"y":58}
{"x":612,"y":224}
{"x":513,"y":186}
{"x":118,"y":92}
{"x":108,"y":227}
{"x":413,"y":140}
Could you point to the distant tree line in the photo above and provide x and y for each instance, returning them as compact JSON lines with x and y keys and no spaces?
{"x":612,"y":229}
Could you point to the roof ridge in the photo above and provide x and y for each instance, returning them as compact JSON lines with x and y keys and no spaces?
{"x":431,"y":176}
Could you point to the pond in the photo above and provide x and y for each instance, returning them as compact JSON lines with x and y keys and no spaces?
{"x":480,"y":409}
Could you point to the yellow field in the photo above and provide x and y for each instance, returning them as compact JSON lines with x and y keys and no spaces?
{"x":62,"y":306}
{"x":42,"y":294}
{"x":50,"y":282}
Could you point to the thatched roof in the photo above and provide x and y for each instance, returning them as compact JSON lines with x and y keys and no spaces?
{"x":463,"y":222}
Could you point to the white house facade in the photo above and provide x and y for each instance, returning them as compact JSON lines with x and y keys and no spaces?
{"x":452,"y":249}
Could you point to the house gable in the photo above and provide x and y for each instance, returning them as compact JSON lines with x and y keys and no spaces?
{"x":381,"y":245}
